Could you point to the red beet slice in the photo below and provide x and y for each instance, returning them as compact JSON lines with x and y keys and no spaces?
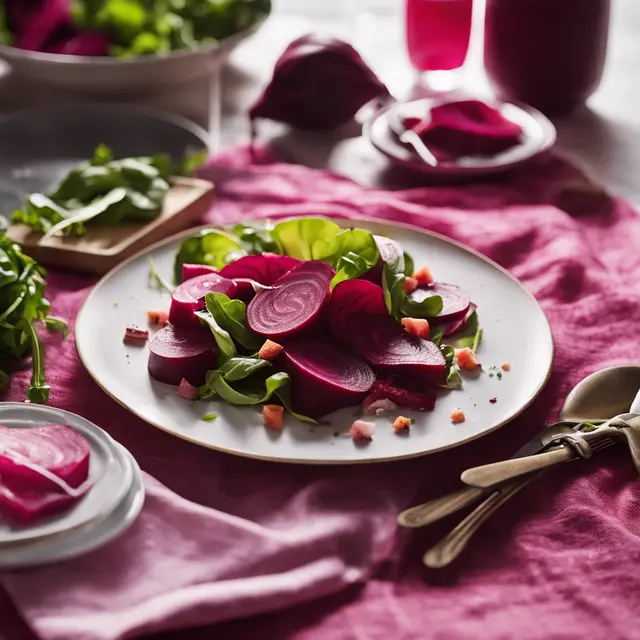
{"x":25,"y":493}
{"x":325,"y":376}
{"x":189,"y":297}
{"x":352,"y":301}
{"x":59,"y":449}
{"x":467,"y":128}
{"x":455,"y":301}
{"x":295,"y":306}
{"x":416,"y":400}
{"x":194,"y":270}
{"x":461,"y":324}
{"x":265,"y":269}
{"x":359,"y":317}
{"x":180,"y":352}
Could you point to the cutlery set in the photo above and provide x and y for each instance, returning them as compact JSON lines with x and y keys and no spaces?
{"x":494,"y":484}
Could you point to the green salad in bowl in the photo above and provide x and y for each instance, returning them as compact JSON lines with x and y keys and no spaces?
{"x":124,"y":28}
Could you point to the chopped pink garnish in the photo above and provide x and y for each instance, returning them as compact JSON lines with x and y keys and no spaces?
{"x":423,"y":276}
{"x":417,"y":327}
{"x":467,"y":360}
{"x":410,"y":285}
{"x":361,"y":430}
{"x":133,"y":333}
{"x":457,"y":416}
{"x":506,"y":366}
{"x":186,"y":390}
{"x":269,"y":350}
{"x":158,"y":316}
{"x":378,"y":407}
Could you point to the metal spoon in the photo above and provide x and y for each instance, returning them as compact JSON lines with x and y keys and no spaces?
{"x":616,"y":387}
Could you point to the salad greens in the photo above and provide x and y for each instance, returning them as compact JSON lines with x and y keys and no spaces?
{"x":22,"y":308}
{"x":115,"y":191}
{"x":125,"y":28}
{"x":210,"y":247}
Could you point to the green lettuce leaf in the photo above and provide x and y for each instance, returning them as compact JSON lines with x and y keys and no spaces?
{"x":240,"y":368}
{"x":224,"y":341}
{"x":306,"y":238}
{"x":231,"y":316}
{"x":253,"y":391}
{"x":471,"y":337}
{"x":210,"y":247}
{"x":256,"y":237}
{"x":428,"y":308}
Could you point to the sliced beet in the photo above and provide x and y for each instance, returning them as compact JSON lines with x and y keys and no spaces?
{"x":180,"y":352}
{"x":59,"y":449}
{"x":359,"y":317}
{"x":325,"y":376}
{"x":417,"y":400}
{"x":265,"y":268}
{"x":354,"y":300}
{"x":189,"y":297}
{"x":390,"y":251}
{"x":194,"y":270}
{"x":295,"y":306}
{"x":460,"y":324}
{"x":391,"y":351}
{"x":30,"y":462}
{"x":455,"y":301}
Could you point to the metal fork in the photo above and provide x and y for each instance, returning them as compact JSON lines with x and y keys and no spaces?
{"x":454,"y":543}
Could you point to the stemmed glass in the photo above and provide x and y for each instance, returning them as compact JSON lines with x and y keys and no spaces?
{"x":438,"y":35}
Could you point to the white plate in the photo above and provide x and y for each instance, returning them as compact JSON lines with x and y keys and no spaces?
{"x":85,"y":539}
{"x":515,"y":329}
{"x":538,"y":135}
{"x":109,"y":471}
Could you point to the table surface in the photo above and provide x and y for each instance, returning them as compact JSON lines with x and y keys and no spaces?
{"x":604,"y":138}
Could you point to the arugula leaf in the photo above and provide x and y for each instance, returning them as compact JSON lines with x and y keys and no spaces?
{"x":223,"y":339}
{"x":57,"y":325}
{"x":156,"y":281}
{"x":241,"y":368}
{"x":22,"y":307}
{"x":393,"y":286}
{"x":471,"y":337}
{"x":284,"y":394}
{"x":256,"y":237}
{"x":210,"y":247}
{"x":250,"y":393}
{"x":191,"y":163}
{"x":231,"y":316}
{"x":429,"y":307}
{"x":409,"y":268}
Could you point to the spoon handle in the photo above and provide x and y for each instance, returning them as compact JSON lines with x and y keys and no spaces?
{"x":454,"y":543}
{"x":488,"y":475}
{"x":424,"y":514}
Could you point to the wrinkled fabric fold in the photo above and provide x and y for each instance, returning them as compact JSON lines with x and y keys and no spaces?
{"x":227,"y":539}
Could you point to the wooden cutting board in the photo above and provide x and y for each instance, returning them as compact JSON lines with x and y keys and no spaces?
{"x":103,"y":247}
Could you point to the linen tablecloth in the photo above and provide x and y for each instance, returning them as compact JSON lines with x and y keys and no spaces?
{"x":279,"y":551}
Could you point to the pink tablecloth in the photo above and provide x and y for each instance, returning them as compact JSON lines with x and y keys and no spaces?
{"x":313,"y":552}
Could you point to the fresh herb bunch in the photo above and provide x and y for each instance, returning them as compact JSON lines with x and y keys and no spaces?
{"x":22,"y":308}
{"x":115,"y":191}
{"x":140,"y":27}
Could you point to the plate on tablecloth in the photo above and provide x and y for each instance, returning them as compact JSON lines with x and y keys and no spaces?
{"x":515,"y":330}
{"x":538,"y":135}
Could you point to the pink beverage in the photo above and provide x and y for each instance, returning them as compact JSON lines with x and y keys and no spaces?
{"x":547,"y":53}
{"x":438,"y":33}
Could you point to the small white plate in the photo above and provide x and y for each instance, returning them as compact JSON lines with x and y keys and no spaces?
{"x":538,"y":135}
{"x":109,"y":471}
{"x":515,"y":329}
{"x":84,"y":539}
